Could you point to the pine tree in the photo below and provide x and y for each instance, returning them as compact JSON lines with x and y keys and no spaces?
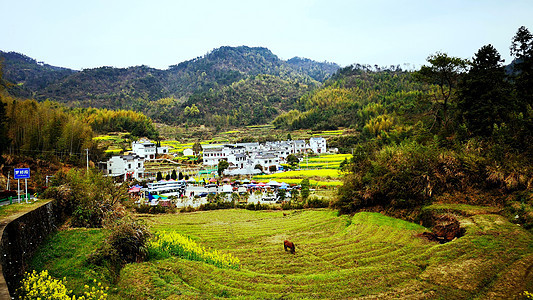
{"x":485,"y":93}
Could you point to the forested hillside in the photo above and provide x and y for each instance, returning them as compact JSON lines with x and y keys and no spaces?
{"x":56,"y":133}
{"x":217,"y":84}
{"x":29,"y":75}
{"x":356,"y":96}
{"x":454,"y":131}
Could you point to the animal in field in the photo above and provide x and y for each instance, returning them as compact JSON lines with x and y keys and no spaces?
{"x":289,"y":245}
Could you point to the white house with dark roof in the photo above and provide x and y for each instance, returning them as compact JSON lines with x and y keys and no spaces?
{"x":318,"y":144}
{"x":125,"y":166}
{"x":299,"y":146}
{"x":148,"y":150}
{"x":243,"y":157}
{"x":267,"y":160}
{"x":212,"y":155}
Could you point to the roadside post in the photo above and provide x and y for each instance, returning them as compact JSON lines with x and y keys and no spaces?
{"x":22,"y":173}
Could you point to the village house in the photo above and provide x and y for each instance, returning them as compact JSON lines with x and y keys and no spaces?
{"x":148,"y":150}
{"x":318,"y":145}
{"x":188,"y":152}
{"x":269,"y":162}
{"x":212,"y":155}
{"x":124,"y":166}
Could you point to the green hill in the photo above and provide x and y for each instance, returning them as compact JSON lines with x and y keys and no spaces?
{"x":159,"y":92}
{"x":29,"y":75}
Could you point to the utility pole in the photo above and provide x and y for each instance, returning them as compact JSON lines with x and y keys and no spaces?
{"x":87,"y":150}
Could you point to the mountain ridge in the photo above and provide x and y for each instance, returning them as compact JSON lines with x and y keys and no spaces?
{"x":141,"y":87}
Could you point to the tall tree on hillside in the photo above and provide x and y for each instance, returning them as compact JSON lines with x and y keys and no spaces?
{"x":222,"y":165}
{"x":485,"y":93}
{"x":444,"y":72}
{"x":4,"y":140}
{"x":522,"y":50}
{"x":197,"y":148}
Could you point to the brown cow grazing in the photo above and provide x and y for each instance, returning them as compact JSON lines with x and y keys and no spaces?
{"x":289,"y":245}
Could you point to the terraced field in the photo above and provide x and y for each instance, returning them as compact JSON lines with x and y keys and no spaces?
{"x":368,"y":255}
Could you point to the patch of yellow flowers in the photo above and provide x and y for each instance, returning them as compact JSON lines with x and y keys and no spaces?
{"x":173,"y":243}
{"x":40,"y":285}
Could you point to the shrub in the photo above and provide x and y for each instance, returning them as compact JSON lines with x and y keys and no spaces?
{"x":126,"y":244}
{"x":129,"y":238}
{"x":90,"y":197}
{"x":401,"y":176}
{"x":154,"y":209}
{"x":315,"y":202}
{"x":305,"y":188}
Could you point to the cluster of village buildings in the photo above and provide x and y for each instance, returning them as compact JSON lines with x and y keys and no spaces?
{"x":256,"y":158}
{"x":243,"y":158}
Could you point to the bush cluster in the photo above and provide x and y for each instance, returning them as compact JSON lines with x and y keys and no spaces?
{"x":126,"y":244}
{"x":154,"y":209}
{"x":89,"y":197}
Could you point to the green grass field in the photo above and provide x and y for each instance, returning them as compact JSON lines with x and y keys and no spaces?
{"x":367,"y":255}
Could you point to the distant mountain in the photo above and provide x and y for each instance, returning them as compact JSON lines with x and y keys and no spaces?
{"x":107,"y":87}
{"x":319,"y":71}
{"x":28,"y":74}
{"x":140,"y":88}
{"x":226,"y":65}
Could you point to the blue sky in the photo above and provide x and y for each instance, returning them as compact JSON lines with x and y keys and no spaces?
{"x":159,"y":33}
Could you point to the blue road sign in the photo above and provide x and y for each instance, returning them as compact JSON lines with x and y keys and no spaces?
{"x":23,"y":173}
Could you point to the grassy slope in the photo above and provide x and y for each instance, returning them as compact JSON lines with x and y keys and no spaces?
{"x":65,"y":254}
{"x":16,"y":209}
{"x":367,"y":255}
{"x":336,"y":257}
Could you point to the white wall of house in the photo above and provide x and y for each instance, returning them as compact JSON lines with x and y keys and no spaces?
{"x":125,"y":165}
{"x":318,"y":145}
{"x":266,"y":161}
{"x":144,"y":149}
{"x":211,"y":156}
{"x":147,"y":149}
{"x":188,"y":152}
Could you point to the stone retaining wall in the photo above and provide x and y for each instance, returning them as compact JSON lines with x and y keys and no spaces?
{"x":21,"y":234}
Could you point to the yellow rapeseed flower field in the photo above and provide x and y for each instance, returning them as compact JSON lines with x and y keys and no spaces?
{"x":173,"y":243}
{"x":40,"y":285}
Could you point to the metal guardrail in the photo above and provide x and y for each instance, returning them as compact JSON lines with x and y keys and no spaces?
{"x":12,"y":199}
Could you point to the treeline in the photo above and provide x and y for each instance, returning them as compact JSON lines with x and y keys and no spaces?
{"x":357,"y":96}
{"x":252,"y":101}
{"x":29,"y":74}
{"x":49,"y":130}
{"x":456,"y":130}
{"x":104,"y":121}
{"x":44,"y":130}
